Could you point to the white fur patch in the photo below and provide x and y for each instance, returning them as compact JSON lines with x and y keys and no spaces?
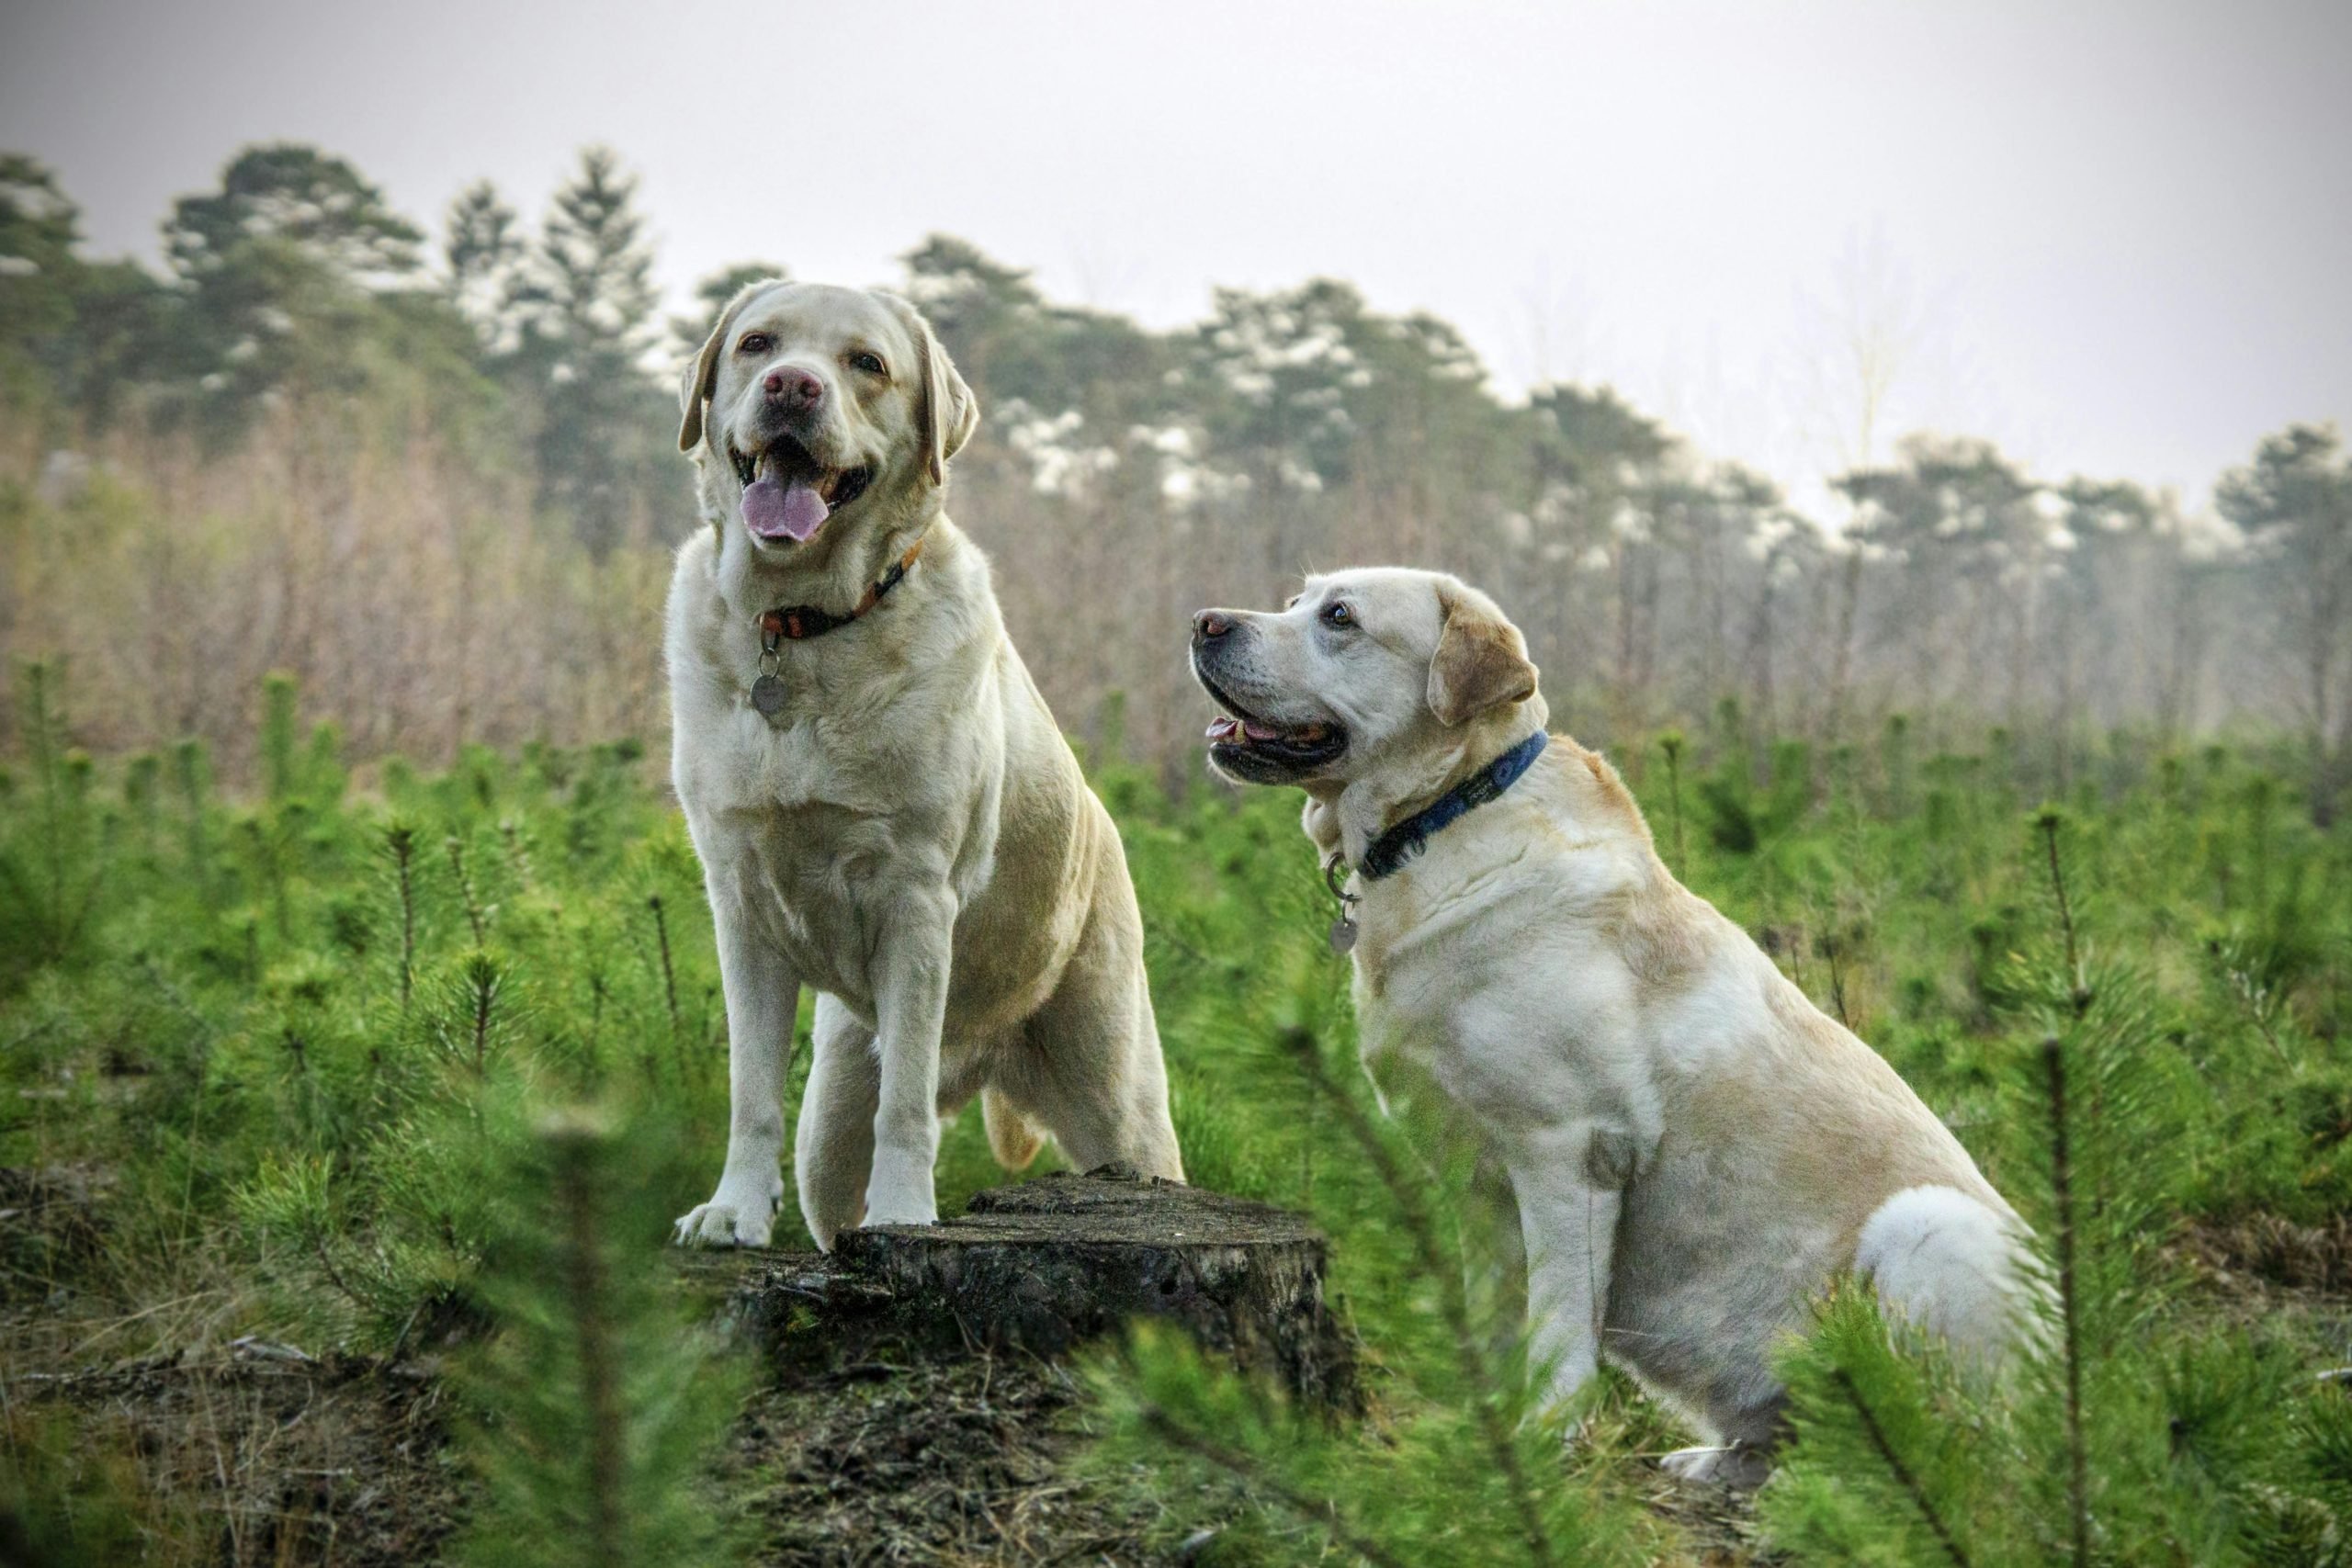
{"x":1949,"y":1264}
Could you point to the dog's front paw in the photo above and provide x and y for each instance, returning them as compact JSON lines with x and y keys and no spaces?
{"x":1737,"y":1465}
{"x":730,"y":1219}
{"x":906,"y":1212}
{"x":900,"y":1191}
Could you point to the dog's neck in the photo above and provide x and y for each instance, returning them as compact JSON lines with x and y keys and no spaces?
{"x":1347,"y":818}
{"x":832,"y":575}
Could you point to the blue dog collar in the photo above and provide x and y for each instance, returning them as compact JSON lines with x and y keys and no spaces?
{"x":1389,"y":852}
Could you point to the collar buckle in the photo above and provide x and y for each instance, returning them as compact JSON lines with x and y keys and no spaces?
{"x":1344,"y":928}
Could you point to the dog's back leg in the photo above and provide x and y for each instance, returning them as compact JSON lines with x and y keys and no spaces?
{"x":1088,"y":1065}
{"x":833,"y":1151}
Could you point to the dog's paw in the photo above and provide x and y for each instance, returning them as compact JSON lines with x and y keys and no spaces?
{"x":900,"y":1191}
{"x":1737,"y":1465}
{"x":726,"y":1221}
{"x":905,"y":1212}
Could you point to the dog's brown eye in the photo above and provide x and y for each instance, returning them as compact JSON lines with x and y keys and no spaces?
{"x":869,"y":363}
{"x":755,"y":343}
{"x":1337,"y":614}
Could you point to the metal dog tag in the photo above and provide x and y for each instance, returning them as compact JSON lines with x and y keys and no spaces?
{"x":768,"y":696}
{"x":1343,"y":930}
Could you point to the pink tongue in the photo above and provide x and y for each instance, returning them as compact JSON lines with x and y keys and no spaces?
{"x":772,"y":511}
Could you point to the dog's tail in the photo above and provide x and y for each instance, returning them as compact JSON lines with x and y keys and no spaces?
{"x":1953,"y":1266}
{"x":1011,"y":1138}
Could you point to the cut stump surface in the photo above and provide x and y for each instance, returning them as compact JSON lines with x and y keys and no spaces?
{"x":1048,"y":1264}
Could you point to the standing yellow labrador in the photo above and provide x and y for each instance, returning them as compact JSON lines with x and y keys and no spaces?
{"x":884,"y":809}
{"x":1693,"y":1149}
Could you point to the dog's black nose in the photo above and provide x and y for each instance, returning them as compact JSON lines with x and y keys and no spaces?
{"x":1210,"y":625}
{"x":796,"y":390}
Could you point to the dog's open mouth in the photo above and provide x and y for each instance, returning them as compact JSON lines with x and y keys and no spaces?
{"x":1242,"y":743}
{"x":787,"y":494}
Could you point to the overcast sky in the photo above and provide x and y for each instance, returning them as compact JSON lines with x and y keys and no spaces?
{"x":2117,"y":238}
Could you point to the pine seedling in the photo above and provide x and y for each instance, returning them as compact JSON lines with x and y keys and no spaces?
{"x":1493,"y":1400}
{"x":400,"y":846}
{"x":518,"y":852}
{"x":1894,"y":763}
{"x":2065,"y":1239}
{"x":669,"y":981}
{"x":595,"y":1406}
{"x":52,"y":874}
{"x":1463,"y":1470}
{"x":141,"y":785}
{"x":278,"y":697}
{"x":477,"y":916}
{"x":2117,"y":1436}
{"x":473,"y":1017}
{"x":2048,"y":821}
{"x":192,"y":772}
{"x":324,"y":778}
{"x":1671,"y":744}
{"x":264,"y":844}
{"x":1883,"y":1465}
{"x":293,"y":1207}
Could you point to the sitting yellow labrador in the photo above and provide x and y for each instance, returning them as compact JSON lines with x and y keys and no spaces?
{"x":884,"y":811}
{"x":1695,"y":1151}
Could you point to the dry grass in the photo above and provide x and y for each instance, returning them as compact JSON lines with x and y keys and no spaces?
{"x":419,"y":603}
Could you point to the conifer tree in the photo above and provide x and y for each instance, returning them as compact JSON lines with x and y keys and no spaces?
{"x":482,"y":253}
{"x":2295,"y":502}
{"x":589,"y":308}
{"x":276,"y":271}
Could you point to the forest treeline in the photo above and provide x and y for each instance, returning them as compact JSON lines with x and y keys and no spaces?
{"x":432,"y":475}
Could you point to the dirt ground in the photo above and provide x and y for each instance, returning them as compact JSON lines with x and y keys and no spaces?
{"x":953,"y":1462}
{"x":859,"y":1450}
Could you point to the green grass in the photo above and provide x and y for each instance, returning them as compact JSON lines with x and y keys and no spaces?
{"x":309,"y":1036}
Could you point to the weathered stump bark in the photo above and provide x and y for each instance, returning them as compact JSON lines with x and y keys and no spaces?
{"x":1051,"y":1263}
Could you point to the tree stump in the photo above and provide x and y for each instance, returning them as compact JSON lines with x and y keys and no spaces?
{"x":1048,"y":1264}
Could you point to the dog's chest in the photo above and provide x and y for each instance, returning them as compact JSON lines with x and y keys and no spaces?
{"x":812,"y":878}
{"x":811,"y":837}
{"x":1481,"y":999}
{"x":733,"y":761}
{"x":1411,"y":1018}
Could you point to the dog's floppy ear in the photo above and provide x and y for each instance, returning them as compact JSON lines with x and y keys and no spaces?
{"x":950,"y":411}
{"x":699,"y":380}
{"x":1481,"y":661}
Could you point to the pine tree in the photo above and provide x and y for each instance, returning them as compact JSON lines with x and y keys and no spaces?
{"x":2295,"y":502}
{"x":76,"y":336}
{"x":482,"y":253}
{"x":589,"y":305}
{"x":300,"y":198}
{"x":279,"y":270}
{"x":596,"y":270}
{"x":39,"y":229}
